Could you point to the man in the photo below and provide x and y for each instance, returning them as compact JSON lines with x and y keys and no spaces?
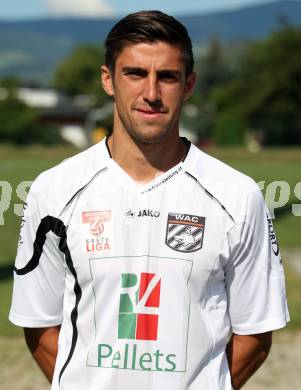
{"x":145,"y":263}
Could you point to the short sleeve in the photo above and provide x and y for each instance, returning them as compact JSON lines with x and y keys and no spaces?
{"x":39,"y":274}
{"x":254,"y":273}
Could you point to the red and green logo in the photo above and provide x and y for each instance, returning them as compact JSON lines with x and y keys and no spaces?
{"x":138,"y":307}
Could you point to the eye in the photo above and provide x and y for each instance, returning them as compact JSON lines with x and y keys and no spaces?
{"x":135,"y":74}
{"x":169,"y":77}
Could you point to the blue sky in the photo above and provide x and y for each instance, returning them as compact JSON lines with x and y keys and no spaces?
{"x":24,"y":9}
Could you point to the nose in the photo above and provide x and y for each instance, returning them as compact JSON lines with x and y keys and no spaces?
{"x":152,"y":90}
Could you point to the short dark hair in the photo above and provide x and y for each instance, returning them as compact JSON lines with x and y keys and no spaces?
{"x":148,"y":27}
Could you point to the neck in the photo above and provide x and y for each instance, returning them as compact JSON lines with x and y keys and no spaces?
{"x":144,"y":161}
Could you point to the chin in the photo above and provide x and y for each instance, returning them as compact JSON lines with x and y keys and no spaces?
{"x":151,"y":137}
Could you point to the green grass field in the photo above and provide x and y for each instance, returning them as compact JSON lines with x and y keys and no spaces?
{"x":24,"y":164}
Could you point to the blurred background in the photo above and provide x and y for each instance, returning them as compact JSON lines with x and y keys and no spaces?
{"x":246,"y":110}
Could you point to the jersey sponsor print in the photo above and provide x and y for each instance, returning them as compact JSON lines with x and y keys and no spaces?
{"x":144,"y":296}
{"x":137,"y":330}
{"x":273,"y":239}
{"x":276,"y":258}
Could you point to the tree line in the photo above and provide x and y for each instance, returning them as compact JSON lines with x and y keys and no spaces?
{"x":244,"y":89}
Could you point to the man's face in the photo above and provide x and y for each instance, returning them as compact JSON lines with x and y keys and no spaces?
{"x":149,"y":87}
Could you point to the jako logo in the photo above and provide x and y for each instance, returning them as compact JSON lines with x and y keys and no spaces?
{"x":131,"y":213}
{"x":138,"y":307}
{"x":149,"y":213}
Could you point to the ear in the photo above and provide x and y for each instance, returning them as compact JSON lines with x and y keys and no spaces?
{"x":107,"y":80}
{"x":190,"y":84}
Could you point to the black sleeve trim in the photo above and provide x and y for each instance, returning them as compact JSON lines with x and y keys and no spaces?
{"x":211,"y":196}
{"x":47,"y":224}
{"x":56,"y":226}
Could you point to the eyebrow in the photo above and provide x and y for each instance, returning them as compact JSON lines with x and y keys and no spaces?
{"x":162,"y":72}
{"x":127,"y":69}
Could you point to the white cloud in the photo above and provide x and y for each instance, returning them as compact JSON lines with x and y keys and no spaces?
{"x":85,"y":8}
{"x":208,"y":6}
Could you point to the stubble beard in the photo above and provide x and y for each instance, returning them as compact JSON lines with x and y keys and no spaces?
{"x":152,"y":136}
{"x":156,"y":133}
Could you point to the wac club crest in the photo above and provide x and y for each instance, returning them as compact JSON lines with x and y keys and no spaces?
{"x":184,"y":232}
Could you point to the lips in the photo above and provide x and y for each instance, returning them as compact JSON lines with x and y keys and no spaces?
{"x":150,"y":112}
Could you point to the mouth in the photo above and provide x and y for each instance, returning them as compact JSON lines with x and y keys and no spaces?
{"x":149,"y":113}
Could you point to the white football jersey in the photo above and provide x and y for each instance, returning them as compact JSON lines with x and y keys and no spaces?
{"x":147,"y":280}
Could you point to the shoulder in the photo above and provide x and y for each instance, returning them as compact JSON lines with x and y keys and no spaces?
{"x":229,"y":186}
{"x":57,"y":185}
